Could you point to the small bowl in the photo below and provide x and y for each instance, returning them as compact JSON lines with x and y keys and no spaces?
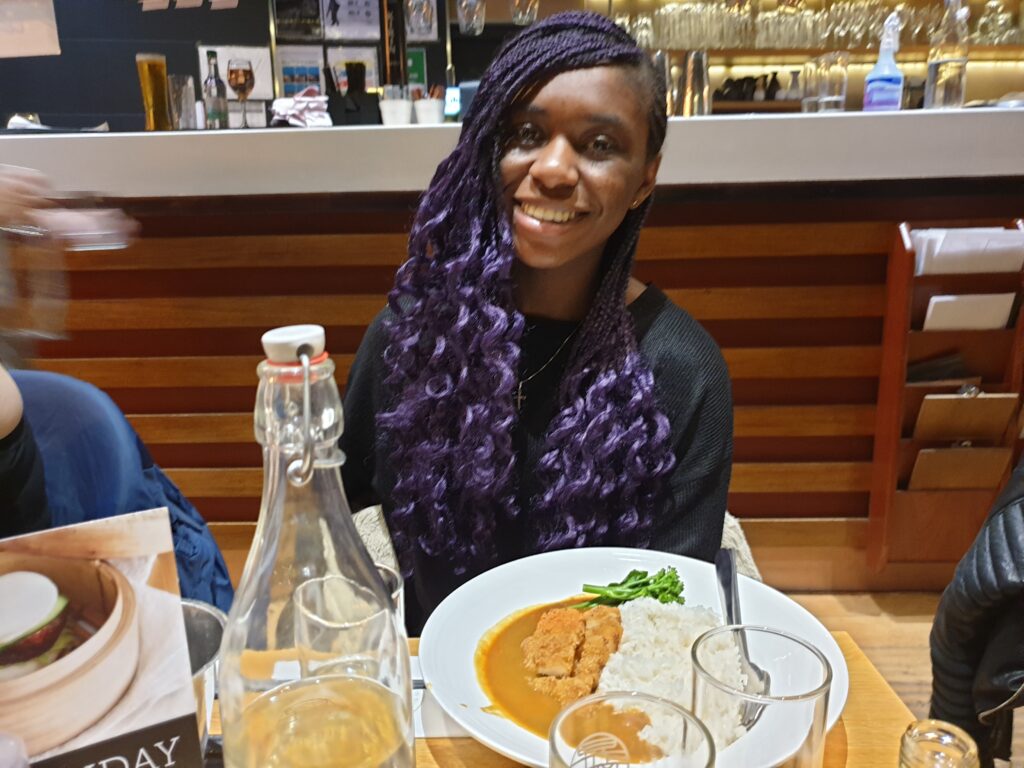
{"x":56,"y":703}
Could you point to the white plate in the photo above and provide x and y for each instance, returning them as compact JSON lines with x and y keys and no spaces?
{"x":451,"y":635}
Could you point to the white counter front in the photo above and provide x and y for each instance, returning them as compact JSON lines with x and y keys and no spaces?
{"x":713,"y":150}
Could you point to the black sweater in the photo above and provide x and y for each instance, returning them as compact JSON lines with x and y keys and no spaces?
{"x":693,"y":391}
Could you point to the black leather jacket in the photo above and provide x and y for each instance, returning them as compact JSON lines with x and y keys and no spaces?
{"x":977,"y":641}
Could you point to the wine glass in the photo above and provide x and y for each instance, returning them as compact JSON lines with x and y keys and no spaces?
{"x":241,"y":80}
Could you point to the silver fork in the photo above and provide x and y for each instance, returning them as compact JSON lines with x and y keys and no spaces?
{"x":758,"y":680}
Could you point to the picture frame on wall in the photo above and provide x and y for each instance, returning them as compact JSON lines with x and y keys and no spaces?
{"x":298,"y":67}
{"x":368,"y":55}
{"x":298,"y":19}
{"x":351,"y":19}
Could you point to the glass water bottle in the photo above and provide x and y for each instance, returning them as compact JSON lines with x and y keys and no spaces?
{"x":945,"y":86}
{"x":314,"y":668}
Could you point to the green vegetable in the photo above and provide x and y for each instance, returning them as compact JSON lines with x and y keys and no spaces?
{"x":665,"y":586}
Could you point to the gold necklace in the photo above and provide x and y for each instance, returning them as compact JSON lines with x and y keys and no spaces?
{"x":520,"y":397}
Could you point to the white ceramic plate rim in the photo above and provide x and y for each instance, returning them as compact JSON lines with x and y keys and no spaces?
{"x":760,"y":603}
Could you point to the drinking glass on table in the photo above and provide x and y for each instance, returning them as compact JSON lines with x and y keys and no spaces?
{"x":354,"y":661}
{"x":785,"y":725}
{"x":241,"y":80}
{"x":628,"y":729}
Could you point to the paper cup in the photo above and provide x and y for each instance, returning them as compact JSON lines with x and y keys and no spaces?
{"x":396,"y":111}
{"x":429,"y":111}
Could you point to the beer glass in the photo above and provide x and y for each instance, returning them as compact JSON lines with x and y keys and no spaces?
{"x":152,"y":69}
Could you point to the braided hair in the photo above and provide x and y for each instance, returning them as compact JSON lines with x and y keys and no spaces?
{"x":453,"y":345}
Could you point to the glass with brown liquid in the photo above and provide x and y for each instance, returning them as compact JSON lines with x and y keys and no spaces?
{"x":241,"y":80}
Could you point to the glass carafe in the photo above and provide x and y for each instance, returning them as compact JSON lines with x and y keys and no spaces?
{"x":314,"y":666}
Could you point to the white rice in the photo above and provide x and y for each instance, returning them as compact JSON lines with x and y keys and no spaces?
{"x":654,"y":658}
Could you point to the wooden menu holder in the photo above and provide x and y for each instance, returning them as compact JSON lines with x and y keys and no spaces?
{"x":930,"y":493}
{"x":959,"y":468}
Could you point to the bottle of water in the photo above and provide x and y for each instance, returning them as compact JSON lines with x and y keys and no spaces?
{"x":314,"y":664}
{"x":946,"y":83}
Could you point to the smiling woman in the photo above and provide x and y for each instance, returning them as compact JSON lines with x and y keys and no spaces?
{"x":577,"y":158}
{"x":521,"y":392}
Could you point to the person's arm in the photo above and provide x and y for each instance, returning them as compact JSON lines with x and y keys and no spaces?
{"x":11,"y":406}
{"x":359,"y":440}
{"x":690,"y":523}
{"x":23,"y":191}
{"x":23,"y":506}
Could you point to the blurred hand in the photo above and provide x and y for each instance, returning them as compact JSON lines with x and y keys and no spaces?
{"x":23,"y":191}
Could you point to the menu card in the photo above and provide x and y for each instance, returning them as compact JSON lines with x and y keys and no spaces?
{"x":94,"y":663}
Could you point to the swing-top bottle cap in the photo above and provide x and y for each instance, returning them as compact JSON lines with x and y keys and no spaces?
{"x":282,"y":345}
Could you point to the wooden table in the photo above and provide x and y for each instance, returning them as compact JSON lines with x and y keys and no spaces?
{"x":866,"y":736}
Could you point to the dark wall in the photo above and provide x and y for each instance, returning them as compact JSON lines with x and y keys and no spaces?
{"x":472,"y":55}
{"x":94,"y":78}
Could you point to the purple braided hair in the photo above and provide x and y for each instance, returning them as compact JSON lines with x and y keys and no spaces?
{"x":453,"y":351}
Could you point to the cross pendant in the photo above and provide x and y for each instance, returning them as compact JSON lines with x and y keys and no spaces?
{"x":520,"y":397}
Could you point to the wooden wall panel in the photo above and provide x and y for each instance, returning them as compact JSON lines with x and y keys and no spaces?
{"x":170,"y":329}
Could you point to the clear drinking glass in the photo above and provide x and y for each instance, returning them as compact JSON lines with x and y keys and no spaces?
{"x":832,"y":81}
{"x":472,"y":15}
{"x":931,"y":743}
{"x":242,"y":81}
{"x":183,"y":102}
{"x":395,"y":585}
{"x":784,"y":725}
{"x":809,"y":102}
{"x":628,"y":729}
{"x":524,"y":12}
{"x":204,"y":630}
{"x":419,"y":17}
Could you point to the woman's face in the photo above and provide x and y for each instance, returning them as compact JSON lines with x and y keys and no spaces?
{"x":575,"y":161}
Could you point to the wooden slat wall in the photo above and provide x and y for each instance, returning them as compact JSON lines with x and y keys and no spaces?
{"x":170,"y":328}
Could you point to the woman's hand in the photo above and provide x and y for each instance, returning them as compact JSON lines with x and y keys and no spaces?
{"x":23,"y":191}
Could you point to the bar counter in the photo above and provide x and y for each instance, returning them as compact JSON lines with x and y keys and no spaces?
{"x":741,"y":149}
{"x":776,"y":232}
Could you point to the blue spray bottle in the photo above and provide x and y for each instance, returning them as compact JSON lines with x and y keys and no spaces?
{"x":883,"y":87}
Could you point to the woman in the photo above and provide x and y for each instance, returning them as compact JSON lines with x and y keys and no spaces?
{"x":523,"y":393}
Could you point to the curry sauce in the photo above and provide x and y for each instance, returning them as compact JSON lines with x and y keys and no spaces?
{"x":502,"y":671}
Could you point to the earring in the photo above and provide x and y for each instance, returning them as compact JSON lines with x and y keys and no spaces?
{"x":635,"y":205}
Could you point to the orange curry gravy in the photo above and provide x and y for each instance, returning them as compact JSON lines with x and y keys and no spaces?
{"x":503,"y":677}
